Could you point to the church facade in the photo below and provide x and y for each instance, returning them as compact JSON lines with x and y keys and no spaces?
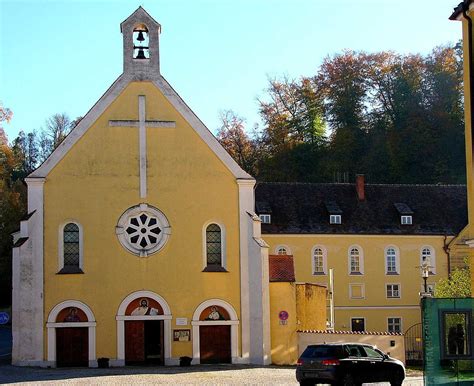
{"x":141,"y":243}
{"x":145,"y":242}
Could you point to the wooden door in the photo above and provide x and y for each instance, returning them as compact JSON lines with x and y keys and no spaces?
{"x":134,"y":341}
{"x":214,"y":342}
{"x":72,"y":346}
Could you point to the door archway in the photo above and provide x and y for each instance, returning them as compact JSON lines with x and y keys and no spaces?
{"x":71,"y":335}
{"x":143,"y":329}
{"x":215,"y":332}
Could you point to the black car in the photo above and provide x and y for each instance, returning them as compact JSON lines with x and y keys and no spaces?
{"x":347,"y":364}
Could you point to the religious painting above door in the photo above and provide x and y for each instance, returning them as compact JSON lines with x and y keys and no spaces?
{"x":144,"y":307}
{"x":143,"y":230}
{"x":214,"y":313}
{"x":70,"y":315}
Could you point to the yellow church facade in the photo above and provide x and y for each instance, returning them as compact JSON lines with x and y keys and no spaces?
{"x":141,"y":243}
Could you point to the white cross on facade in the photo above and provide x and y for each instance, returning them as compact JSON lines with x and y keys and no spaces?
{"x":142,"y":124}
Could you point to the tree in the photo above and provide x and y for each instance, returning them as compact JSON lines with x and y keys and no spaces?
{"x":457,"y":285}
{"x":234,"y":139}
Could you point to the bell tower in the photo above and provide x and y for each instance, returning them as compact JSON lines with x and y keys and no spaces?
{"x":141,"y":47}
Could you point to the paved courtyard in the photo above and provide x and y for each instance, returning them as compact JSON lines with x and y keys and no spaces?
{"x":195,"y":375}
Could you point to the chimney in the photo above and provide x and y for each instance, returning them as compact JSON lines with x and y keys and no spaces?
{"x":360,"y":187}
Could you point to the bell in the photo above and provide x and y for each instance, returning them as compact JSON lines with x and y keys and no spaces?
{"x":141,"y":54}
{"x":140,"y":37}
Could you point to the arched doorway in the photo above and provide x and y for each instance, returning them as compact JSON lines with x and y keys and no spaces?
{"x":71,"y":335}
{"x":215,"y":332}
{"x":144,"y":329}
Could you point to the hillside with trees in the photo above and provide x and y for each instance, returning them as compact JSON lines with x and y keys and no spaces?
{"x":394,"y":118}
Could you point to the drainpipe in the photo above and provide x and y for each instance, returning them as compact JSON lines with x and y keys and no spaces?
{"x":446,"y":250}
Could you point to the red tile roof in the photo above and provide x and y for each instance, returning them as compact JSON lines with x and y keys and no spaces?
{"x":281,"y":268}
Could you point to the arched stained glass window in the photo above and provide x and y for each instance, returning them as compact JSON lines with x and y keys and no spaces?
{"x":214,"y":245}
{"x":71,"y":250}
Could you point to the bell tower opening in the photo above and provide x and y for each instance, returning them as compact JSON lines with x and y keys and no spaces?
{"x":141,"y":41}
{"x":141,"y":46}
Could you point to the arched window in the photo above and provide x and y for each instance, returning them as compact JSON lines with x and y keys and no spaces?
{"x":319,"y":261}
{"x":392,"y":264}
{"x":356,"y":261}
{"x":70,"y":256}
{"x":282,"y":250}
{"x":428,"y":257}
{"x":214,"y":248}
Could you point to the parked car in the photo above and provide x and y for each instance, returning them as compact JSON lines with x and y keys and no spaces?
{"x":347,"y":364}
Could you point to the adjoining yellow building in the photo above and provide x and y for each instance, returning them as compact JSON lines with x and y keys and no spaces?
{"x":375,"y":237}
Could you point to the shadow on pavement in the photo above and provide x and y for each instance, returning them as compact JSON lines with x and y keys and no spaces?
{"x":11,"y":374}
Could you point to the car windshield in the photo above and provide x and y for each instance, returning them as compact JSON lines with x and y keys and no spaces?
{"x":321,"y":352}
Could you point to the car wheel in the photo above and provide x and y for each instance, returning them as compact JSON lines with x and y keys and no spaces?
{"x":307,"y":382}
{"x":397,"y":379}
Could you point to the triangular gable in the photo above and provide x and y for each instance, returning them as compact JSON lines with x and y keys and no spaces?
{"x":106,"y":100}
{"x":140,"y":11}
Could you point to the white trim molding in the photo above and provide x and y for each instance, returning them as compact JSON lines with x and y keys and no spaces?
{"x":51,"y":326}
{"x":121,"y":318}
{"x":362,"y":290}
{"x":233,"y":322}
{"x":223,"y":243}
{"x":61,"y":243}
{"x":324,"y":257}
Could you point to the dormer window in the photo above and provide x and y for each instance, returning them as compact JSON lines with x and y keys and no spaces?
{"x":405,"y":213}
{"x":335,"y":213}
{"x":265,"y":218}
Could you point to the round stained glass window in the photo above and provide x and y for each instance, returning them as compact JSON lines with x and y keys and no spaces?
{"x":143,"y":230}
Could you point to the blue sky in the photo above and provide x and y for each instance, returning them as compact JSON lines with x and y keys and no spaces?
{"x":61,"y":56}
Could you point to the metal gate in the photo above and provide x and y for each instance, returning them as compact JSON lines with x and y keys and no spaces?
{"x":414,"y":345}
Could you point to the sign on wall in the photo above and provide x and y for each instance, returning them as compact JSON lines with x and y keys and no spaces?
{"x":181,"y":335}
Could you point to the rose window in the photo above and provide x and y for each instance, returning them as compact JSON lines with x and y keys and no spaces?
{"x":143,"y":230}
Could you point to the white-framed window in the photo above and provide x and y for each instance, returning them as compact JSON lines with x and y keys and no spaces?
{"x":406,"y":220}
{"x":356,"y":290}
{"x":282,"y":250}
{"x":70,"y":247}
{"x":214,"y":248}
{"x":319,"y":260}
{"x":355,"y":260}
{"x":335,"y":219}
{"x":265,"y":218}
{"x":428,"y":256}
{"x":393,"y":291}
{"x":392,"y":261}
{"x":394,"y":324}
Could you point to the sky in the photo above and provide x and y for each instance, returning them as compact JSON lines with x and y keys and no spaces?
{"x":61,"y":56}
